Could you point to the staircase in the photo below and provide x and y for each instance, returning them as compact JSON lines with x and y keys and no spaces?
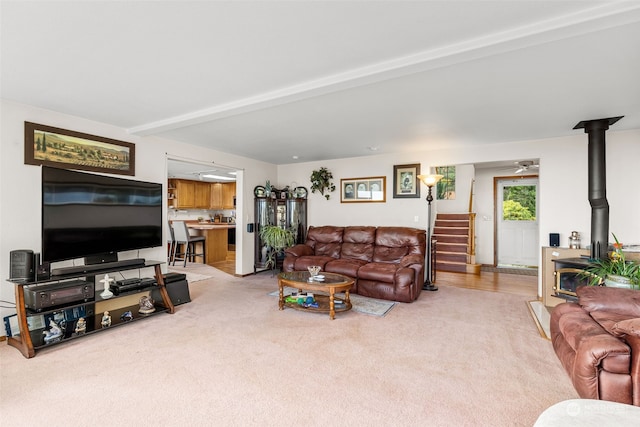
{"x":455,"y":247}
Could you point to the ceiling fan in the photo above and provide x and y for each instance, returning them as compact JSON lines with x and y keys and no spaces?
{"x":525,"y":165}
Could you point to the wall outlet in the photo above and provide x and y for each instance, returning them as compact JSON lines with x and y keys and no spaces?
{"x":416,"y":218}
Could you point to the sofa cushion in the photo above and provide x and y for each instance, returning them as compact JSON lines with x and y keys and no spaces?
{"x":325,"y":240}
{"x":393,"y":243}
{"x":378,"y":272}
{"x":358,"y":243}
{"x":628,"y":327}
{"x":301,"y":263}
{"x":348,"y":267}
{"x":615,"y":300}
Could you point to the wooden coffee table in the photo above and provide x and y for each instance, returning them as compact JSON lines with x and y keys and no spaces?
{"x":332,"y":284}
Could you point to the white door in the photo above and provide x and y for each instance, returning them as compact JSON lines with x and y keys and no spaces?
{"x":517,"y":213}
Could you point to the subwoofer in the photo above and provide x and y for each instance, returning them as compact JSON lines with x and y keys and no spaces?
{"x":22,"y":265}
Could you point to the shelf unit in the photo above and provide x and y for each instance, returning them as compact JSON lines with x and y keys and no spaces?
{"x":32,"y":324}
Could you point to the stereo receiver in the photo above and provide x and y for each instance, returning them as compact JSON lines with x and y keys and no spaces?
{"x":38,"y":298}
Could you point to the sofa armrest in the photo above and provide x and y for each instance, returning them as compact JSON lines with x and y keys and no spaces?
{"x":630,"y":330}
{"x":409,"y":260}
{"x":299,"y":250}
{"x":614,"y":300}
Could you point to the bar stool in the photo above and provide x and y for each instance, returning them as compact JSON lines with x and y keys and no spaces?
{"x":182,"y":237}
{"x":172,"y":243}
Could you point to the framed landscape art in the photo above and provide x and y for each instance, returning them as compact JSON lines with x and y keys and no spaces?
{"x":363,"y":190}
{"x":51,"y":146}
{"x":405,"y":181}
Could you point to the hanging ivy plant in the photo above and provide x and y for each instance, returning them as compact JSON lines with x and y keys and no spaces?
{"x":321,"y":182}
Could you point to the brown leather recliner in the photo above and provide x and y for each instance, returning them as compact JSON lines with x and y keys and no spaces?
{"x":597,"y":341}
{"x":386,"y":262}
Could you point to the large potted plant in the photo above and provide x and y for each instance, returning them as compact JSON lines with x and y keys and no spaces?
{"x":276,"y":240}
{"x":614,"y":271}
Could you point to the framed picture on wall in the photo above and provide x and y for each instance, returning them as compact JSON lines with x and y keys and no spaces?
{"x":406,"y":184}
{"x":362,"y":190}
{"x":67,"y":149}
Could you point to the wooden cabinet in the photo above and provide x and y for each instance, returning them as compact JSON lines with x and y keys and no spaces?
{"x":186,"y":194}
{"x":548,"y":268}
{"x":228,"y":195}
{"x":202,"y":195}
{"x":216,"y":195}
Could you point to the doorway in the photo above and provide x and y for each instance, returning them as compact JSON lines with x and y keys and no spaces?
{"x":516,"y":213}
{"x":181,"y":168}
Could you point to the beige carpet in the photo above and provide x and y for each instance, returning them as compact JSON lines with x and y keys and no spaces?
{"x":231,"y":358}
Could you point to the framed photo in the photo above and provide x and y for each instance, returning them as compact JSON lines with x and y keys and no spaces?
{"x":362,"y":190}
{"x":406,"y":184}
{"x":51,"y":146}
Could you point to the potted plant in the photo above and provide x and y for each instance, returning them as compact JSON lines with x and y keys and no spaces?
{"x":321,"y":181}
{"x":614,"y":271}
{"x":276,"y":239}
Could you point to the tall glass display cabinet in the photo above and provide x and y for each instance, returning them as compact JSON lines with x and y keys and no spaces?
{"x":285,"y":208}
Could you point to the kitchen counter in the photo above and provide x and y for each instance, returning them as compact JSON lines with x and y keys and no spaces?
{"x":216,"y":236}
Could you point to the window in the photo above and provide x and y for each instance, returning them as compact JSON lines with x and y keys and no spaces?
{"x":446,"y":187}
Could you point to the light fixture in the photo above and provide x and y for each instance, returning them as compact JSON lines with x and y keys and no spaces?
{"x":225,"y":178}
{"x":429,"y":181}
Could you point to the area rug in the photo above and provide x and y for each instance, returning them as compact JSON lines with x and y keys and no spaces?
{"x":365,"y":305}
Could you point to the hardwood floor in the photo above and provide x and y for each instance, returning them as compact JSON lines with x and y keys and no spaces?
{"x":491,"y":281}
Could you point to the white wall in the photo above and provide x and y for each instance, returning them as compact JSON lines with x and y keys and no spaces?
{"x":20,"y":184}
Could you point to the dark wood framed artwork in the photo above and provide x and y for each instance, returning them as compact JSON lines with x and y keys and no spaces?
{"x":363,"y":190}
{"x":67,"y":149}
{"x":406,"y":184}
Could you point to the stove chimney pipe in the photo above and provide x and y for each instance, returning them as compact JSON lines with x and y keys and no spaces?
{"x":595,"y":129}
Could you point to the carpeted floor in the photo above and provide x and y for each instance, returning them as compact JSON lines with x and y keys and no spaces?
{"x":454,"y":357}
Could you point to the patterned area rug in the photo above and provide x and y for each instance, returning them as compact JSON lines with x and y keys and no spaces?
{"x":365,"y":305}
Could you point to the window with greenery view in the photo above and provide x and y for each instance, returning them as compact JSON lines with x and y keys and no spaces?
{"x":446,"y":187}
{"x":519,"y":203}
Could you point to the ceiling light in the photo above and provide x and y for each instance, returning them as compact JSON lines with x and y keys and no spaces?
{"x":294,"y":157}
{"x":373,"y":148}
{"x":226,"y":178}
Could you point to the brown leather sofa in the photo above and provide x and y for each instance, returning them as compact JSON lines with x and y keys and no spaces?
{"x":597,"y":341}
{"x":386,"y":262}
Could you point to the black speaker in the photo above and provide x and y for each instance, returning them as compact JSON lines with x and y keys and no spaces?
{"x":21,"y":265}
{"x":177,"y":288}
{"x":554,"y":239}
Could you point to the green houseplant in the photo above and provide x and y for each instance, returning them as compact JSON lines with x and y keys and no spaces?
{"x":276,"y":239}
{"x":613,"y":271}
{"x":321,"y":182}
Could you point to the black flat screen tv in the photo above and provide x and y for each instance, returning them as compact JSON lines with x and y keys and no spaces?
{"x":92,"y":216}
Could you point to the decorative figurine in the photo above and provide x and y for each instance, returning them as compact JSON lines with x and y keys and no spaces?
{"x":146,"y":305}
{"x":54,"y":334}
{"x":106,"y":294}
{"x":126,"y":316}
{"x":81,"y":326}
{"x":106,"y":320}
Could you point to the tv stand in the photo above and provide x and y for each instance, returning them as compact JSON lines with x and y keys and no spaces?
{"x":92,"y":268}
{"x":32,"y":325}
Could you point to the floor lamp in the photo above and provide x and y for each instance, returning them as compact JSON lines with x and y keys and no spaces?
{"x":429,"y":181}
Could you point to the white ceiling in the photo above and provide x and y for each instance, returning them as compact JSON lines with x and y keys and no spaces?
{"x":327,"y":79}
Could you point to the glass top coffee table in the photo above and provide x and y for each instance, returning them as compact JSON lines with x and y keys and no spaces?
{"x":332,"y":284}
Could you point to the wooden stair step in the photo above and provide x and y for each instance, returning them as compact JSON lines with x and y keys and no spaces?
{"x":451,"y":230}
{"x":451,"y":247}
{"x":451,"y":223}
{"x":451,"y":257}
{"x":452,"y":216}
{"x":449,"y":238}
{"x":457,"y":267}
